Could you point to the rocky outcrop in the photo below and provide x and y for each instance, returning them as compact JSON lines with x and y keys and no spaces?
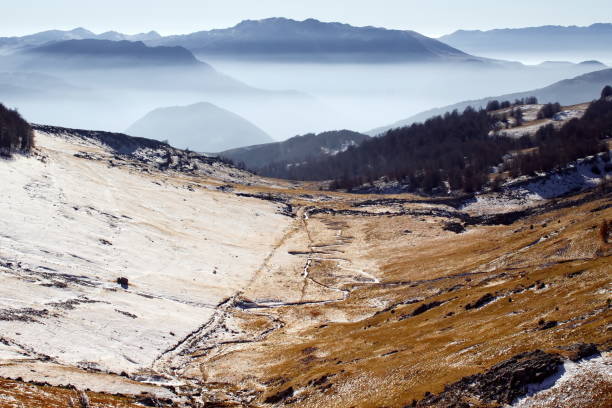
{"x":506,"y":381}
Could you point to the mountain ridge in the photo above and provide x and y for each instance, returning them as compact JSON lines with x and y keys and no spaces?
{"x":584,"y":42}
{"x":281,"y":38}
{"x":107,"y":52}
{"x":287,"y":36}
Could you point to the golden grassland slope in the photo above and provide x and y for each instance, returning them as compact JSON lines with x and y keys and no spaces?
{"x":372,"y":349}
{"x":351,"y":302}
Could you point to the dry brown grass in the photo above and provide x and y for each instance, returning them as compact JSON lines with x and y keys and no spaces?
{"x":371,"y":357}
{"x":367,"y":350}
{"x":17,"y":394}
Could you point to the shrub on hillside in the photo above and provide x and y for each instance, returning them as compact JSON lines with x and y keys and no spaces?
{"x":548,"y":110}
{"x":493,"y":106}
{"x":15,"y":133}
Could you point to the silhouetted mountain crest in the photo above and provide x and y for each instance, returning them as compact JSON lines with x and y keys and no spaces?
{"x":313,"y":39}
{"x":107,"y":52}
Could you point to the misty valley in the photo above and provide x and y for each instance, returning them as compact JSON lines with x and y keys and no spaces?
{"x":302,"y":213}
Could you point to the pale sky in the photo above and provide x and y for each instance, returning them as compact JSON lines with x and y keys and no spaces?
{"x":429,"y":17}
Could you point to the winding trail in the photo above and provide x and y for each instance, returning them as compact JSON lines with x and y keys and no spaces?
{"x":200,"y":342}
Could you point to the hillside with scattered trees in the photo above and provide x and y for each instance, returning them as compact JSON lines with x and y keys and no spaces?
{"x":267,"y":158}
{"x":15,"y":133}
{"x":556,"y":147}
{"x":458,"y":152}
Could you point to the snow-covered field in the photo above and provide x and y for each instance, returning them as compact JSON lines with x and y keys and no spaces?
{"x":70,"y":226}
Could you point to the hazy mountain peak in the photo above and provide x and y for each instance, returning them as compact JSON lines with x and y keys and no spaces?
{"x":81,"y":31}
{"x":542,"y":42}
{"x":201,"y":126}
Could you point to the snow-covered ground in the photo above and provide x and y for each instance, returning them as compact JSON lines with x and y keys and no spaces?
{"x":574,"y":386}
{"x":70,"y":226}
{"x":577,"y":176}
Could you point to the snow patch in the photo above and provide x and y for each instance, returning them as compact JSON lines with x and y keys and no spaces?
{"x":573,"y":386}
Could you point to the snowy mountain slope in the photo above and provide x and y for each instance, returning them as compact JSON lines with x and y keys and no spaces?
{"x":78,"y":214}
{"x":229,"y":303}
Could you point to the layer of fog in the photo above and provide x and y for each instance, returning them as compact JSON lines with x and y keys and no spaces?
{"x":370,"y":95}
{"x":535,"y":58}
{"x":328,"y":96}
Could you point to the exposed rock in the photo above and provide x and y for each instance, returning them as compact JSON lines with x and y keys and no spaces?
{"x":547,"y":325}
{"x":123,"y":282}
{"x":26,"y":314}
{"x":149,"y":401}
{"x":502,"y":384}
{"x":421,"y":309}
{"x":455,"y":227}
{"x":280,"y":396}
{"x":488,"y":298}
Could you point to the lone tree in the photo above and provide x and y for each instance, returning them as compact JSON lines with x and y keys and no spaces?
{"x":606,"y":92}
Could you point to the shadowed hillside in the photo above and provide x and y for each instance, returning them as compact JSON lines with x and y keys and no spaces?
{"x":264,"y":158}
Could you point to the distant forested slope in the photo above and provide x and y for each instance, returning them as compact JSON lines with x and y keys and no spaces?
{"x":457,"y":151}
{"x":265,"y":158}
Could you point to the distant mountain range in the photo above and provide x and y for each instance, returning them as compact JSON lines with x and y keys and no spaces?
{"x":546,"y":42}
{"x":295,"y":149}
{"x":72,"y":58}
{"x":133,"y":79}
{"x":567,"y":92}
{"x":591,"y":64}
{"x":14,"y":44}
{"x":202,"y":127}
{"x":278,"y":39}
{"x":111,"y":79}
{"x":281,"y":38}
{"x":317,"y":41}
